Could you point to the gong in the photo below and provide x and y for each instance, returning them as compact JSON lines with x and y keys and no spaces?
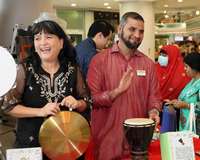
{"x":64,"y":136}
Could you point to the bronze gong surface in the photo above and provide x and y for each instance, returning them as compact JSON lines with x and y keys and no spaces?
{"x":64,"y":136}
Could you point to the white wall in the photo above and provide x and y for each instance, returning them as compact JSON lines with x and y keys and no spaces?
{"x":89,"y":19}
{"x":147,"y":11}
{"x":19,"y":12}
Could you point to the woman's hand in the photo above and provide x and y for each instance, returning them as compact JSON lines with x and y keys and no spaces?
{"x":73,"y":103}
{"x":49,"y":109}
{"x":178,"y":104}
{"x":70,"y":102}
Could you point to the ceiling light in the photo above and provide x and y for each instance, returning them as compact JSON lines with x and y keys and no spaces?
{"x":106,"y":4}
{"x":180,"y":1}
{"x":166,"y":5}
{"x":164,"y":11}
{"x":108,"y":7}
{"x":73,"y":4}
{"x":197,"y":12}
{"x":166,"y":16}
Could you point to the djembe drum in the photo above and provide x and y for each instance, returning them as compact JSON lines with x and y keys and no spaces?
{"x":138,"y":133}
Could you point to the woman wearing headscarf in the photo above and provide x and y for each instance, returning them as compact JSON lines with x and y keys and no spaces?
{"x":190,"y":94}
{"x":171,"y":73}
{"x":171,"y":76}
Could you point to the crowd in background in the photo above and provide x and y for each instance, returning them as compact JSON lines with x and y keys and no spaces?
{"x":169,"y":80}
{"x":185,"y":48}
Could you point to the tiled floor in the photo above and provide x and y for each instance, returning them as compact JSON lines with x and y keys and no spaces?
{"x":6,"y":135}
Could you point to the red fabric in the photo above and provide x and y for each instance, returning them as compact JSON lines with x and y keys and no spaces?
{"x":154,"y":151}
{"x":89,"y":154}
{"x":172,"y":78}
{"x":104,"y":74}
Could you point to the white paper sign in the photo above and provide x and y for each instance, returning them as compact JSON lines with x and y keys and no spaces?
{"x":24,"y":154}
{"x":177,"y":146}
{"x":182,"y":146}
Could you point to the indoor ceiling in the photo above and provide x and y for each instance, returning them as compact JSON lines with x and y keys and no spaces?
{"x":185,"y":9}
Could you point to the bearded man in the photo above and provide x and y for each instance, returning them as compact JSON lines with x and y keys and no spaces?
{"x":124,"y":85}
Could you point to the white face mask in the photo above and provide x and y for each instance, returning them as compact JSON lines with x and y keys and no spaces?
{"x":163,"y":60}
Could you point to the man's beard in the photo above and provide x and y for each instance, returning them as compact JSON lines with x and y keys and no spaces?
{"x":133,"y":45}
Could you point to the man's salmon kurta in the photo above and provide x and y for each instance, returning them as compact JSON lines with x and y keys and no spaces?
{"x":105,"y":71}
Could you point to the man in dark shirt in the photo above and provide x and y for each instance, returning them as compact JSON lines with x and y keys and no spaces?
{"x":98,"y":36}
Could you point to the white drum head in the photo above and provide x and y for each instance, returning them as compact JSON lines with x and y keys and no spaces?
{"x":138,"y":121}
{"x":8,"y":71}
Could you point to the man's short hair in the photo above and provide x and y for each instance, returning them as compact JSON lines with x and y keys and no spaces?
{"x":133,"y":15}
{"x":100,"y":26}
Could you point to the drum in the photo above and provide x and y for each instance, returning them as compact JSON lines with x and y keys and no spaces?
{"x":138,"y":133}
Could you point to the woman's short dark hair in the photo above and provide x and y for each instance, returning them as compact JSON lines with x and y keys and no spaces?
{"x":100,"y":26}
{"x":66,"y":54}
{"x":193,"y":60}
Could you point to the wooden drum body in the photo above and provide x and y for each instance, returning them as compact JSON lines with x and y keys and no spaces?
{"x":138,"y":133}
